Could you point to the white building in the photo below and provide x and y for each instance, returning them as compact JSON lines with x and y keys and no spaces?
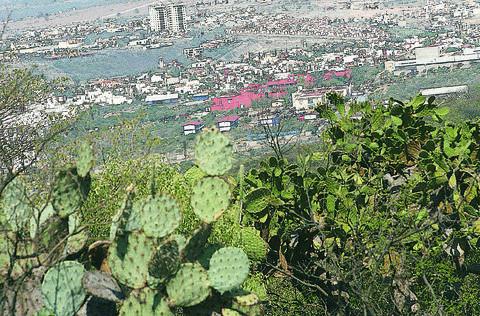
{"x":168,"y":18}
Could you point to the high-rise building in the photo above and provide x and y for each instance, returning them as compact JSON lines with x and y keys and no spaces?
{"x":170,"y":18}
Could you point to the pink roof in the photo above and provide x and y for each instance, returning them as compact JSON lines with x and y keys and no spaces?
{"x":195,"y":123}
{"x":339,"y":74}
{"x":230,"y":118}
{"x":274,"y":89}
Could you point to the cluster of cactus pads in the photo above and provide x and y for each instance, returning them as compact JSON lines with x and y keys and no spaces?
{"x":161,"y":271}
{"x":162,"y":268}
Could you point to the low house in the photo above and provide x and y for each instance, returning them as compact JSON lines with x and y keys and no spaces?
{"x":308,"y":99}
{"x":226,"y":123}
{"x":200,"y":97}
{"x":192,"y":127}
{"x":269,"y":121}
{"x":307,"y":117}
{"x":162,"y":99}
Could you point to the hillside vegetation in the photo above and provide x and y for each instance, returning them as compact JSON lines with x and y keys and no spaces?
{"x":383,"y":218}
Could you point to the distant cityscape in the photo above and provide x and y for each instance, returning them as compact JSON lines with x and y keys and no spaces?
{"x":250,"y":63}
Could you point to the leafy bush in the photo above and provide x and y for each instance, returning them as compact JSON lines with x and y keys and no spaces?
{"x":145,"y":174}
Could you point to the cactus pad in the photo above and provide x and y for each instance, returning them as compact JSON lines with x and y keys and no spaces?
{"x":253,"y":245}
{"x":39,"y":218}
{"x":165,"y":261}
{"x":213,"y":152}
{"x":128,"y":259}
{"x":196,"y":243}
{"x":85,"y":159}
{"x":155,"y":216}
{"x":229,"y":268}
{"x":230,"y":312}
{"x":120,"y":219}
{"x":145,"y":303}
{"x":248,"y":305}
{"x":62,"y":288}
{"x":15,"y":205}
{"x":210,"y":198}
{"x":190,"y":286}
{"x":70,"y":192}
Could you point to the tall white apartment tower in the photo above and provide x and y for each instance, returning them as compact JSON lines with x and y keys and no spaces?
{"x":171,"y":18}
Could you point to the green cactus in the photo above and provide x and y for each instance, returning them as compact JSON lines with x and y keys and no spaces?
{"x":85,"y":159}
{"x":16,"y":207}
{"x":254,"y":246}
{"x":62,"y":288}
{"x":145,"y":302}
{"x":156,"y":216}
{"x":5,"y":249}
{"x":70,"y":192}
{"x":120,"y":219}
{"x":128,"y":259}
{"x":190,"y":286}
{"x":255,"y":284}
{"x":39,"y":218}
{"x":248,"y":305}
{"x":165,"y":261}
{"x":197,"y":241}
{"x":213,"y":152}
{"x":229,"y":268}
{"x":78,"y":238}
{"x":230,"y":312}
{"x":210,"y":198}
{"x":193,"y":175}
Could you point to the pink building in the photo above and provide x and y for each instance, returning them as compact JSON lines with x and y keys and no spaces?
{"x":272,"y":89}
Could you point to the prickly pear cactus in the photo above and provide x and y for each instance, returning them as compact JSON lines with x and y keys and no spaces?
{"x":229,"y":268}
{"x":70,"y":192}
{"x":210,"y":198}
{"x":120,"y":219}
{"x":254,"y":246}
{"x":145,"y":302}
{"x":190,"y":286}
{"x":213,"y":152}
{"x":15,"y":205}
{"x":165,"y":261}
{"x":230,"y":312}
{"x":39,"y":218}
{"x":62,"y":288}
{"x":195,"y":244}
{"x":85,"y":159}
{"x":247,"y":305}
{"x":193,"y":175}
{"x":128,"y":259}
{"x":156,"y":216}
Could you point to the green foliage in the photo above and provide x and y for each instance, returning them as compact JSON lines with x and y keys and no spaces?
{"x":249,"y":240}
{"x":70,"y":192}
{"x":109,"y":186}
{"x":62,"y":288}
{"x":16,"y":207}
